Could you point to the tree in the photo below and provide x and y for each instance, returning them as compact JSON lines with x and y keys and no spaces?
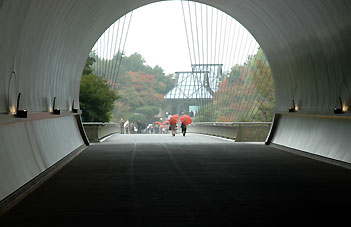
{"x":246,"y":93}
{"x":88,"y":66}
{"x":207,"y":113}
{"x":148,"y":111}
{"x":138,"y":117}
{"x":264,"y":87}
{"x":95,"y":96}
{"x":96,"y":99}
{"x":138,"y":85}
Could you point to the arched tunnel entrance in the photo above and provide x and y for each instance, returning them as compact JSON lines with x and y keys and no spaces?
{"x":44,"y":45}
{"x":219,"y":74}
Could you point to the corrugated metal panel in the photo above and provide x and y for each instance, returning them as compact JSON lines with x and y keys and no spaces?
{"x":325,"y":136}
{"x":307,"y":44}
{"x":30,"y":147}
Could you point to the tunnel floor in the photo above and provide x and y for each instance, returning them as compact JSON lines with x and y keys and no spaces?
{"x":160,"y":180}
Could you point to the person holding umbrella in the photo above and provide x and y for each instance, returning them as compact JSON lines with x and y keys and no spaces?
{"x":183,"y":126}
{"x":173,"y":121}
{"x":158,"y":126}
{"x":186,"y":120}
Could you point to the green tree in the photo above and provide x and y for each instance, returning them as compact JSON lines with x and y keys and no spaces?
{"x":88,"y":66}
{"x":138,"y":117}
{"x":95,"y":96}
{"x":148,"y":111}
{"x":138,"y":84}
{"x":264,"y":87}
{"x":96,"y":99}
{"x":246,"y":93}
{"x":207,"y":113}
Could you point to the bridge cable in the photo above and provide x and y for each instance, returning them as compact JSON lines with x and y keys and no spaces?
{"x":114,"y":57}
{"x":114,"y":78}
{"x":189,"y":49}
{"x":197,"y":67}
{"x":226,"y":68}
{"x":124,"y":44}
{"x":224,"y":95}
{"x":229,"y":68}
{"x":259,"y":96}
{"x":236,"y":57}
{"x":244,"y":90}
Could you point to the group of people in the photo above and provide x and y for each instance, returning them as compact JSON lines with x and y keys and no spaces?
{"x":132,"y":128}
{"x":156,"y":129}
{"x":174,"y":129}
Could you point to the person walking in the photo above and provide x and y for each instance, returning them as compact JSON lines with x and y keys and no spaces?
{"x":149,"y":129}
{"x":173,"y":123}
{"x":132,"y":128}
{"x":126,"y":126}
{"x":139,"y":126}
{"x":183,"y":129}
{"x":121,"y":125}
{"x":186,"y":120}
{"x":157,"y":128}
{"x":174,"y":128}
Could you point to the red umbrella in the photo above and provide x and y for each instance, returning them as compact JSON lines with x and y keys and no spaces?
{"x":157,"y":122}
{"x":174,"y":119}
{"x":165,"y":122}
{"x":186,"y":119}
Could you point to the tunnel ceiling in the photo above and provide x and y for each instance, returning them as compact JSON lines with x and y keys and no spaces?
{"x":45,"y":43}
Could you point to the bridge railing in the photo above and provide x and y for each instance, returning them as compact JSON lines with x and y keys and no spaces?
{"x":98,"y":130}
{"x":238,"y":131}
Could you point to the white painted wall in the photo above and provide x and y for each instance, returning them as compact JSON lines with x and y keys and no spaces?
{"x":28,"y":148}
{"x":325,"y":136}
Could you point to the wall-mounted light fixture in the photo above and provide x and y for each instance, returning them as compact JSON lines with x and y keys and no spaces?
{"x":55,"y":110}
{"x":339,"y":110}
{"x":20,"y":113}
{"x":74,"y":110}
{"x":293,"y":107}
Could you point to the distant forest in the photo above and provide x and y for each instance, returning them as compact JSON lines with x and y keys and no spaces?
{"x":246,"y":93}
{"x":140,"y":87}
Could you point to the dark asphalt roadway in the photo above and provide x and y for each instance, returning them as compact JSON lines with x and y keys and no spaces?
{"x":160,"y":180}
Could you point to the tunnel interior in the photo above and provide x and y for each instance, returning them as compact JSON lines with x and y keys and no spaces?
{"x":44,"y":45}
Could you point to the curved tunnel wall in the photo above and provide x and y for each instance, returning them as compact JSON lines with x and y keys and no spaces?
{"x":308,"y":43}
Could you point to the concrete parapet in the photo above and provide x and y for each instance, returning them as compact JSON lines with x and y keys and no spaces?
{"x":98,"y":130}
{"x":239,"y":131}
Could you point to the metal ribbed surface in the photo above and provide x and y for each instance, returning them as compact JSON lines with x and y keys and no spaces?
{"x":324,"y":136}
{"x":306,"y":43}
{"x":42,"y":144}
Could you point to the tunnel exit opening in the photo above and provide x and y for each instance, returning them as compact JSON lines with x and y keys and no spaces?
{"x":227,"y":77}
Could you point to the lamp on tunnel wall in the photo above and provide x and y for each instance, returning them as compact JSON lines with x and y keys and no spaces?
{"x":55,"y":110}
{"x":339,"y":110}
{"x":20,"y":113}
{"x":293,"y":107}
{"x":74,"y":110}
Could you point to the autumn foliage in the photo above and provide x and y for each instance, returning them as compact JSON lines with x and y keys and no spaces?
{"x":141,"y":89}
{"x":246,"y":93}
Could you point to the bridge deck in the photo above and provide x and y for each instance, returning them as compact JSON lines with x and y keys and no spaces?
{"x":159,"y":180}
